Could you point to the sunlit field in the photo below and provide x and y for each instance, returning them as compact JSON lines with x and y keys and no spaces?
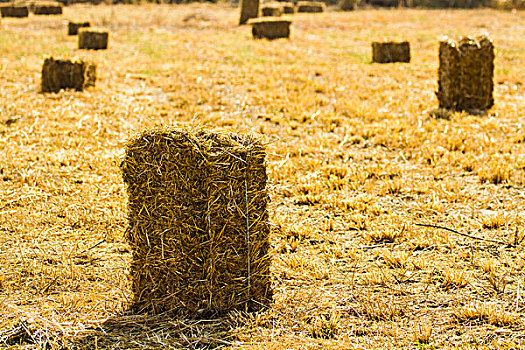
{"x":393,"y":225}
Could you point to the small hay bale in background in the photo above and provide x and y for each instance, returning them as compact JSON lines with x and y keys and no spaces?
{"x":249,"y":10}
{"x":12,"y":10}
{"x":466,"y":74}
{"x":272,"y":10}
{"x":47,"y":8}
{"x":310,"y":6}
{"x":93,"y":39}
{"x":73,"y":27}
{"x":388,"y":52}
{"x":67,"y":74}
{"x":270,"y":28}
{"x":198,"y":222}
{"x":348,"y":5}
{"x":288,"y":7}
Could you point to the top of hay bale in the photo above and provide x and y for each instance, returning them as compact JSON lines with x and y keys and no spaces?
{"x":93,"y":30}
{"x":482,"y":40}
{"x":270,"y":19}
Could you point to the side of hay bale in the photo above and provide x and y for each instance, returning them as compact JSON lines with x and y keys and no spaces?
{"x":348,"y":5}
{"x":65,"y":74}
{"x":288,"y":8}
{"x":388,"y":52}
{"x":47,"y":8}
{"x":249,"y":10}
{"x":270,"y":28}
{"x":466,"y":74}
{"x":197,"y":212}
{"x":73,"y":27}
{"x":91,"y":39}
{"x":18,"y":11}
{"x":310,"y":6}
{"x":272,"y":10}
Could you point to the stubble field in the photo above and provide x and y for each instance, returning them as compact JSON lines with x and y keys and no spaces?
{"x":357,"y":161}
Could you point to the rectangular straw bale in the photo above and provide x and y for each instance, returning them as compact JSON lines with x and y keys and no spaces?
{"x":197,"y":212}
{"x":310,"y":6}
{"x":47,"y":8}
{"x":249,"y":9}
{"x":466,"y":74}
{"x":14,"y":10}
{"x":272,"y":10}
{"x":288,"y":7}
{"x":388,"y":52}
{"x":73,"y":27}
{"x":67,"y":74}
{"x":93,"y":39}
{"x":270,"y":28}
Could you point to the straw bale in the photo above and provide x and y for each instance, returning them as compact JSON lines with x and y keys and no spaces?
{"x":67,"y":74}
{"x":388,"y":52}
{"x":249,"y":9}
{"x":93,"y":39}
{"x":272,"y":10}
{"x":310,"y":6}
{"x":288,"y":8}
{"x":47,"y":8}
{"x":198,"y":222}
{"x":466,"y":74}
{"x":14,"y":10}
{"x":348,"y":5}
{"x":270,"y":28}
{"x":73,"y":27}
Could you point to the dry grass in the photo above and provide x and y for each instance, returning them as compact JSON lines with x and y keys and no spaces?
{"x":356,"y":158}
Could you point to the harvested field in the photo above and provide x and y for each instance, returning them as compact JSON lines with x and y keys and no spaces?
{"x":393,"y":224}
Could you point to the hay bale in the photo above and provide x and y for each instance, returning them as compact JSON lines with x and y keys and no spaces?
{"x":197,"y":212}
{"x":270,"y":28}
{"x":288,"y":7}
{"x":348,"y":5}
{"x":67,"y":74}
{"x":12,"y":10}
{"x":249,"y":9}
{"x":466,"y":74}
{"x":310,"y":6}
{"x":93,"y":39}
{"x":47,"y":8}
{"x":388,"y":52}
{"x":73,"y":27}
{"x":272,"y":10}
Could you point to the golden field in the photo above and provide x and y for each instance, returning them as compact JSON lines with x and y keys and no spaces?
{"x":358,"y":162}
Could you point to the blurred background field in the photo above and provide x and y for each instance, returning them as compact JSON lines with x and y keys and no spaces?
{"x":358,"y":156}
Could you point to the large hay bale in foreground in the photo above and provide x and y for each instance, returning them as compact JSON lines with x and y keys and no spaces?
{"x":73,"y":27}
{"x":466,"y":74}
{"x":272,"y":10}
{"x":198,"y":222}
{"x":67,"y":74}
{"x":270,"y":28}
{"x":249,"y":10}
{"x":47,"y":8}
{"x":11,"y":10}
{"x":388,"y":52}
{"x":93,"y":39}
{"x":310,"y":6}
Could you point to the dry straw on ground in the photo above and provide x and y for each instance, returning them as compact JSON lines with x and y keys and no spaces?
{"x":311,"y":6}
{"x":466,"y":74}
{"x":270,"y":28}
{"x":198,"y":222}
{"x":388,"y":52}
{"x":47,"y":8}
{"x":12,"y":10}
{"x":73,"y":27}
{"x":249,"y":10}
{"x":93,"y":39}
{"x":67,"y":74}
{"x":272,"y":10}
